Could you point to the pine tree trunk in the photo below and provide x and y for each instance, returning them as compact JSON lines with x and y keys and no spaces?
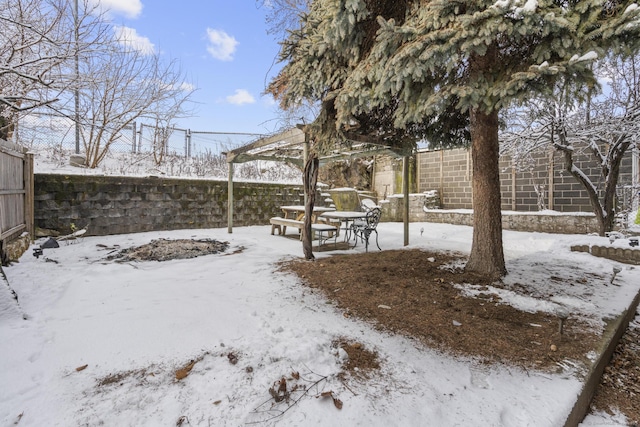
{"x":486,"y":258}
{"x":310,"y":180}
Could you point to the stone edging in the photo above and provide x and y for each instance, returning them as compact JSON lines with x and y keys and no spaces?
{"x":624,"y":255}
{"x":612,"y":334}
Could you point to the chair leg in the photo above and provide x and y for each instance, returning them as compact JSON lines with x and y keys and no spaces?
{"x":379,"y":248}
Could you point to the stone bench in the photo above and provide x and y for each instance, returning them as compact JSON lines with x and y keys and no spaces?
{"x":281,"y":224}
{"x":324,"y":232}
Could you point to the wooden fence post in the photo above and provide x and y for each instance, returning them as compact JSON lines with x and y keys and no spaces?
{"x":29,"y":188}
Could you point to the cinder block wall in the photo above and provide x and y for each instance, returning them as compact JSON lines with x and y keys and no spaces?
{"x":116,"y":205}
{"x":450,"y":172}
{"x":393,"y":208}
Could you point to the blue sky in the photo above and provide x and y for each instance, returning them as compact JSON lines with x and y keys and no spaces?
{"x":224,"y":50}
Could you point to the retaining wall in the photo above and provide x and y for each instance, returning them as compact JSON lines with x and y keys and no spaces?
{"x":624,"y":255}
{"x":543,"y":221}
{"x":543,"y":185}
{"x":117,"y":205}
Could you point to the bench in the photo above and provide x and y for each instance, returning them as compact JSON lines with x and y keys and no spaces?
{"x":323,"y":231}
{"x":281,"y":224}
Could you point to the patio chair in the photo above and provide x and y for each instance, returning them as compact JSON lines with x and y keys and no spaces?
{"x":363,"y":228}
{"x":367,"y":204}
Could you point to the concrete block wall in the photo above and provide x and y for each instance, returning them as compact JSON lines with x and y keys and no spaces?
{"x":116,"y":205}
{"x":450,"y":172}
{"x":525,"y":190}
{"x":624,"y":255}
{"x":456,"y":179}
{"x":393,"y":207}
{"x":387,"y":176}
{"x":533,"y":222}
{"x":385,"y":181}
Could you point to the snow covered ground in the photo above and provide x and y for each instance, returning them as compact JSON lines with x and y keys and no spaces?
{"x":211,"y":167}
{"x":134,"y":324}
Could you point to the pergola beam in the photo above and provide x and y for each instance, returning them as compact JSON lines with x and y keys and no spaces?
{"x":288,"y":138}
{"x":292,"y":146}
{"x":249,"y":158}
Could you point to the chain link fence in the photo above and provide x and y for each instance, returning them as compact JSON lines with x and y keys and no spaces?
{"x":184,"y":153}
{"x":46,"y":131}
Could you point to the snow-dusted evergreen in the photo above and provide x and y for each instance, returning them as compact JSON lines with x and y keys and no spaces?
{"x":398,"y":71}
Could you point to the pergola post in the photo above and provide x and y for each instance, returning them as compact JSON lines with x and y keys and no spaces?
{"x":305,"y":157}
{"x":405,"y":191}
{"x":230,"y":199}
{"x":294,"y":146}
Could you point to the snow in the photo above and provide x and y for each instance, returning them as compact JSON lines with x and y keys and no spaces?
{"x":143,"y":165}
{"x":589,"y":56}
{"x":137,"y":323}
{"x":529,"y":6}
{"x":504,"y":212}
{"x":501,"y":3}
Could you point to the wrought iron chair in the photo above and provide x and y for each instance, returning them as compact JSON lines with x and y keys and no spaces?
{"x":367,"y":204}
{"x":362,"y":229}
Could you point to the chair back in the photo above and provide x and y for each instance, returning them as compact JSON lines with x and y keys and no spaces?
{"x":373,"y":218}
{"x":367,"y":204}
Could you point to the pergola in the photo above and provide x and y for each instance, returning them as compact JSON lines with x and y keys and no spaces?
{"x":292,"y":146}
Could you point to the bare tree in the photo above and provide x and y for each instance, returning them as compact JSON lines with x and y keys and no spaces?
{"x":31,"y":47}
{"x":600,"y":128}
{"x":39,"y":40}
{"x":120,"y":86}
{"x":161,"y":134}
{"x":283,"y":15}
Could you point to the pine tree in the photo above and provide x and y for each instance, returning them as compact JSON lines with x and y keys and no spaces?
{"x":399,"y":69}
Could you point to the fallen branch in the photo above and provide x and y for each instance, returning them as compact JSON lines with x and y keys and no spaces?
{"x":281,"y":392}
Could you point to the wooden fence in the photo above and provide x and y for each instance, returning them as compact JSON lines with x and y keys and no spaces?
{"x":16,"y":192}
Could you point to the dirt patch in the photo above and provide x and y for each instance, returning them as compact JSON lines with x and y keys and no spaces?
{"x":417,"y":294}
{"x":118,"y":378}
{"x":164,"y":250}
{"x":361,"y":363}
{"x":620,"y":385}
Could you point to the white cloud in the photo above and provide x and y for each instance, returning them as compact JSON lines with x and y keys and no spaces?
{"x":269,"y":100}
{"x":129,"y":37}
{"x":129,"y":8}
{"x":221,"y":45}
{"x":187,"y":87}
{"x":241,"y":97}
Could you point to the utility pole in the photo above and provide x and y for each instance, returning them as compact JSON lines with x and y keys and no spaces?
{"x":77,"y":64}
